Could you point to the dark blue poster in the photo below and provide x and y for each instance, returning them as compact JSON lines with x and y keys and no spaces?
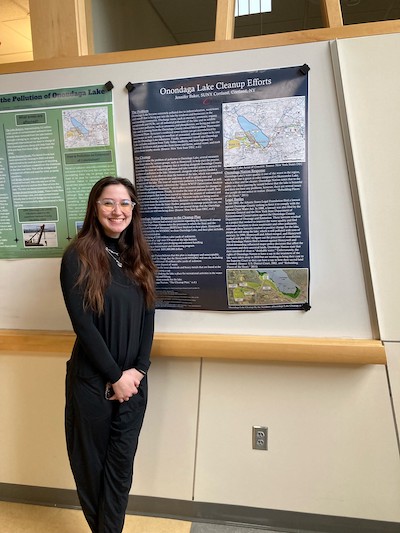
{"x":221,"y":172}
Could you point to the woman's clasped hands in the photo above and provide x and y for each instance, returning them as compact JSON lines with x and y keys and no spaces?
{"x":127,"y":386}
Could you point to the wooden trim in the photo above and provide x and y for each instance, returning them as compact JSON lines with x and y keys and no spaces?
{"x":332,"y":13}
{"x":229,"y":347}
{"x":214,"y":47}
{"x":54,"y":29}
{"x":84,"y":26}
{"x":225,"y":20}
{"x":60,"y":29}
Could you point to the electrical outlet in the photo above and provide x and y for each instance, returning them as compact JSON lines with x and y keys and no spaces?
{"x":260,"y":438}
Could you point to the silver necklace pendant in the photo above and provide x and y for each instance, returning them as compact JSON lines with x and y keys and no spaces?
{"x":114,"y":255}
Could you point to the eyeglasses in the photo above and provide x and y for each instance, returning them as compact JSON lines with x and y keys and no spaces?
{"x":108,"y":204}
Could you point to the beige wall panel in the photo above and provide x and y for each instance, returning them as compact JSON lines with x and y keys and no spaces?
{"x":165,"y":460}
{"x":332,"y":443}
{"x":371,"y":79}
{"x":32,"y":444}
{"x":393,"y":365}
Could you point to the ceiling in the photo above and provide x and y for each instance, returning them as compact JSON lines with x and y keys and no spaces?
{"x":15,"y":31}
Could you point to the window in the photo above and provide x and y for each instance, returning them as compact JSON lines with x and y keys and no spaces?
{"x":359,"y":11}
{"x":251,"y":7}
{"x":282,"y":16}
{"x":138,"y":24}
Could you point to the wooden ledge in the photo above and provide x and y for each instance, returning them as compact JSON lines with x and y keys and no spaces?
{"x":238,"y":347}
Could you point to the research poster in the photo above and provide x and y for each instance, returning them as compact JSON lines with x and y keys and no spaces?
{"x":54,"y":145}
{"x":221,"y":172}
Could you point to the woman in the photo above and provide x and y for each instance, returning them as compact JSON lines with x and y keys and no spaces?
{"x":107,"y":279}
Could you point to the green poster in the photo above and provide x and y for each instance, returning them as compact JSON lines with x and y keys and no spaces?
{"x":54,"y":145}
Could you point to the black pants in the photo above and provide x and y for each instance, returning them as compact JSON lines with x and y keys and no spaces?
{"x":102,"y":438}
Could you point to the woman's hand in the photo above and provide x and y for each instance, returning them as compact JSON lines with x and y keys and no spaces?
{"x":127,"y":385}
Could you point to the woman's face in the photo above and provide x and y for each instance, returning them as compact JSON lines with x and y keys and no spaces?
{"x":114,"y":219}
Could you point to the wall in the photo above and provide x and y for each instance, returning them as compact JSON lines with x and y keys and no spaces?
{"x":338,"y":295}
{"x":332,"y":439}
{"x":372,"y":107}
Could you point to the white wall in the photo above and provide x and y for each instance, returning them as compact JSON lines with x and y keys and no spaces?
{"x":338,"y":300}
{"x":370,"y":79}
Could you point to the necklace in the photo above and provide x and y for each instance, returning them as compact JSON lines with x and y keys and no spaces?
{"x":114,"y":255}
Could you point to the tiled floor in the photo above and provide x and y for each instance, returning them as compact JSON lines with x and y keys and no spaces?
{"x":21,"y":518}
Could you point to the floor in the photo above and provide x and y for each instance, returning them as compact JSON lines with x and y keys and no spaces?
{"x":22,"y":518}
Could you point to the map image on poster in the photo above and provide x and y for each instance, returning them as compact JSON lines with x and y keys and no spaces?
{"x":85,"y":127}
{"x":264,"y":132}
{"x":221,"y":172}
{"x":267,"y":287}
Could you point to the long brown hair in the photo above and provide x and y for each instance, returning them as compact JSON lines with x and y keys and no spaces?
{"x":95,"y":275}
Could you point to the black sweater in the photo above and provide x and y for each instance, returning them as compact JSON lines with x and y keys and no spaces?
{"x":116,"y":340}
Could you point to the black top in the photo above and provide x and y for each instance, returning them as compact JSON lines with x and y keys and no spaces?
{"x":118,"y":339}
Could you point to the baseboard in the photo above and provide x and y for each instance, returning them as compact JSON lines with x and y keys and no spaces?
{"x":207,"y":512}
